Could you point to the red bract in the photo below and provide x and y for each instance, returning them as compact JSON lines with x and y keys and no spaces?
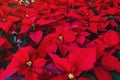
{"x":76,"y":62}
{"x":1,"y":71}
{"x":102,"y":74}
{"x":45,"y":22}
{"x":27,"y":24}
{"x":111,"y":63}
{"x":111,"y":38}
{"x":83,"y":78}
{"x":36,"y":36}
{"x":65,"y":34}
{"x":59,"y":39}
{"x":26,"y":63}
{"x":4,"y":43}
{"x":61,"y":35}
{"x":100,"y":47}
{"x":46,"y":42}
{"x":61,"y":63}
{"x":6,"y":20}
{"x":82,"y":59}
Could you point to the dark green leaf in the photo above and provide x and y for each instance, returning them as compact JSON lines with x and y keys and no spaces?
{"x":115,"y":76}
{"x":117,"y":54}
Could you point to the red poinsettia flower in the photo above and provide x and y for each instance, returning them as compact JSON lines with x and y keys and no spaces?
{"x":6,"y":19}
{"x":65,"y":34}
{"x":61,"y":35}
{"x":76,"y":62}
{"x":85,"y":12}
{"x":27,"y":24}
{"x":111,"y":38}
{"x":26,"y":62}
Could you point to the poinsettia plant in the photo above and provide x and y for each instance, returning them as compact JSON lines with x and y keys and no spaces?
{"x":59,"y":39}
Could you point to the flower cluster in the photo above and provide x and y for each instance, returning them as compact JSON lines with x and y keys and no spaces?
{"x":59,"y":39}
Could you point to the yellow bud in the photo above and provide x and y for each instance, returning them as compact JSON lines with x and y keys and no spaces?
{"x":29,"y":63}
{"x":60,"y":37}
{"x":3,"y":19}
{"x":71,"y":76}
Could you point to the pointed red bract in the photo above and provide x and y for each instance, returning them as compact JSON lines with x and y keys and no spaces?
{"x":111,"y":38}
{"x":10,"y":70}
{"x":36,"y":36}
{"x":61,"y":63}
{"x":45,"y":22}
{"x":102,"y":74}
{"x":111,"y":63}
{"x":83,"y":58}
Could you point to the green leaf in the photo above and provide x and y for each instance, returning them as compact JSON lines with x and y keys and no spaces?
{"x":115,"y":76}
{"x":12,"y":5}
{"x":117,"y":54}
{"x":25,"y":42}
{"x":95,"y":11}
{"x":111,"y":17}
{"x":88,"y":74}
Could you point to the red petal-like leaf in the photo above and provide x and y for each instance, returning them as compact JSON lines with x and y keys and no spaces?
{"x":111,"y":38}
{"x":45,"y":22}
{"x":5,"y":26}
{"x":2,"y":40}
{"x":40,"y":62}
{"x":87,"y":57}
{"x":52,"y":48}
{"x":83,"y":58}
{"x":102,"y":74}
{"x":22,"y":56}
{"x":81,"y":40}
{"x":69,"y":35}
{"x":36,"y":36}
{"x":111,"y":63}
{"x":83,"y":78}
{"x":100,"y":47}
{"x":46,"y":42}
{"x":10,"y":70}
{"x":93,"y":27}
{"x":25,"y":28}
{"x":61,"y":63}
{"x":12,"y":18}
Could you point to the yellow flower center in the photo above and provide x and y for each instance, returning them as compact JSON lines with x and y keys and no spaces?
{"x":32,"y":0}
{"x":33,"y":26}
{"x":76,"y":33}
{"x":86,"y":24}
{"x":21,"y":2}
{"x":59,"y":22}
{"x":107,"y":46}
{"x":27,"y":15}
{"x":3,"y":19}
{"x":60,"y":37}
{"x":87,"y":14}
{"x":29,"y":63}
{"x":71,"y":76}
